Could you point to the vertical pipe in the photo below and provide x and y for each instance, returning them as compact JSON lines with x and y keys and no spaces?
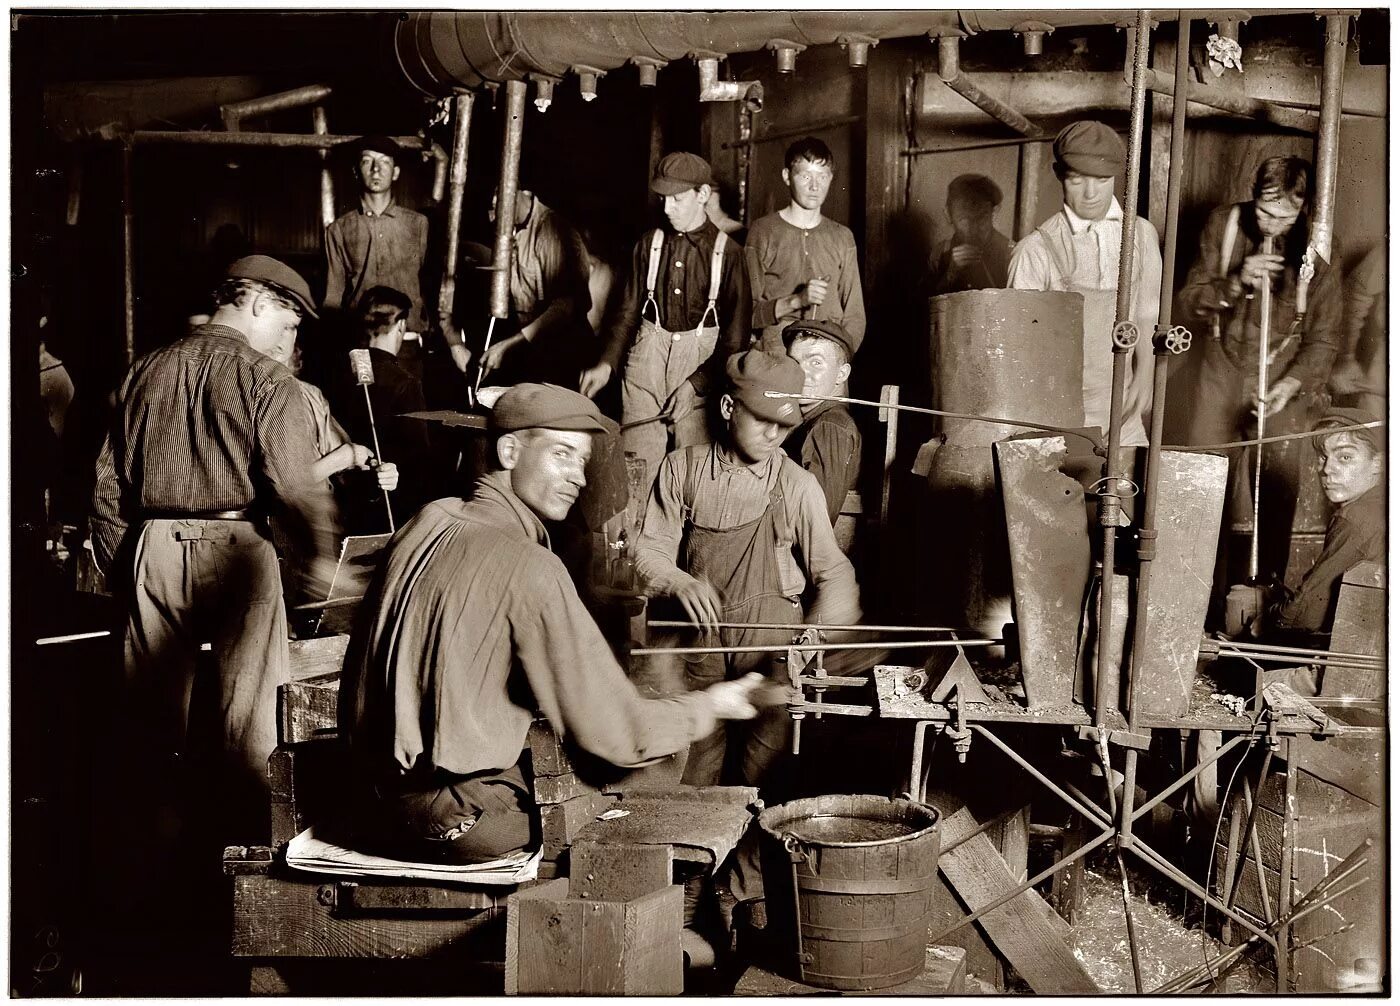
{"x":1285,"y":868}
{"x":745,"y":159}
{"x":128,"y":256}
{"x":318,"y":126}
{"x":1027,"y":188}
{"x":1109,"y":507}
{"x":456,"y":190}
{"x":505,"y":198}
{"x":1328,"y":129}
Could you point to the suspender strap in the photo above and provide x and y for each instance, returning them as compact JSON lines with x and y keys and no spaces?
{"x":1227,"y":240}
{"x":653,"y":268}
{"x":716,"y":269}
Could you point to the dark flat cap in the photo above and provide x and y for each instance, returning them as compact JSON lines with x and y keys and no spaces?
{"x":974,"y":187}
{"x":1090,"y":148}
{"x":754,"y":372}
{"x":822,"y":330}
{"x":680,"y":171}
{"x":379,"y":144}
{"x":550,"y":407}
{"x":266,"y":269}
{"x":1338,"y":416}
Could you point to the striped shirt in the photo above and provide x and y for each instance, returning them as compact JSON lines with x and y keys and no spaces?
{"x":204,"y":424}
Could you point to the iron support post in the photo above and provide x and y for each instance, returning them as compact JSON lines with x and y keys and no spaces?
{"x":505,"y":198}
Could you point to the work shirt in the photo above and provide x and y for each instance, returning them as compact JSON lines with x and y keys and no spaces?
{"x":729,"y":494}
{"x":990,"y":273}
{"x":330,"y":435}
{"x":549,"y":270}
{"x":366,"y":249}
{"x":682,"y":291}
{"x":782,"y":258}
{"x":827,"y":444}
{"x":471,"y":624}
{"x":1356,"y":533}
{"x":208,"y":423}
{"x":1206,"y":295}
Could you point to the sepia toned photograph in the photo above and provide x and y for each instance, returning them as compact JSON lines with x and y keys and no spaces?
{"x":392,"y":612}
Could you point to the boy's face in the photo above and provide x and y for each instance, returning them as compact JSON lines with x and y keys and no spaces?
{"x":1350,"y":467}
{"x":1276,"y":214}
{"x":377,"y":171}
{"x":753,"y":438}
{"x":1090,"y":196}
{"x":972,"y":218}
{"x":685,"y":211}
{"x":822,"y":367}
{"x":808,"y":183}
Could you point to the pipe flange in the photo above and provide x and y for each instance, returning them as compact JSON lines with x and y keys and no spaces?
{"x":646,"y":69}
{"x":1125,"y":335}
{"x":857,"y":48}
{"x":1178,"y":340}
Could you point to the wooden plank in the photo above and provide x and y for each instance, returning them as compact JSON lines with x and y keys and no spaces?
{"x":617,"y":872}
{"x":945,"y":973}
{"x":652,"y":936}
{"x":281,"y":917}
{"x":1018,"y":929}
{"x":306,"y":711}
{"x":547,"y":752}
{"x":561,"y":822}
{"x":558,"y":788}
{"x":319,"y":657}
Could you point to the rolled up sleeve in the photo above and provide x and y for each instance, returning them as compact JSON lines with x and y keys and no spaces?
{"x":659,"y":544}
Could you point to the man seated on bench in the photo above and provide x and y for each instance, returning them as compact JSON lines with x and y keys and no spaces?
{"x":1353,"y":465}
{"x":470,"y":625}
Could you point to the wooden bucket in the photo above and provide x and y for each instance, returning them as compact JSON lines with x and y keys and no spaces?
{"x":848,"y":882}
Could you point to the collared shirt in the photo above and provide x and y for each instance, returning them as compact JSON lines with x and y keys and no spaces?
{"x":209,"y":423}
{"x":549,"y":270}
{"x":728,"y":494}
{"x":330,"y":435}
{"x":365,"y":250}
{"x":471,"y":624}
{"x":782,"y":258}
{"x":682,"y":291}
{"x":1207,"y":295}
{"x":1356,"y":533}
{"x":827,"y":444}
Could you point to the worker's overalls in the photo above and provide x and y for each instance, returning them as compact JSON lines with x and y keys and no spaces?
{"x":659,"y":362}
{"x":1081,"y":275}
{"x":752,"y":568}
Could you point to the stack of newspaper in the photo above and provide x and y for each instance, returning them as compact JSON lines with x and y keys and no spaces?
{"x":315,"y":854}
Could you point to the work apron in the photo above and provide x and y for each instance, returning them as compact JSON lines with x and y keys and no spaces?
{"x":744,"y":565}
{"x":660,"y":362}
{"x":1100,"y":310}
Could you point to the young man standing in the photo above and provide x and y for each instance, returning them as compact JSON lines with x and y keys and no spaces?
{"x":802,"y":264}
{"x":827,"y":441}
{"x":685,"y":309}
{"x":1077,"y":250}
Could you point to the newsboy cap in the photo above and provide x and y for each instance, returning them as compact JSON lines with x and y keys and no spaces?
{"x":680,"y":171}
{"x":547,"y":406}
{"x":978,"y":187}
{"x":1338,"y":416}
{"x":379,"y":144}
{"x":754,"y":372}
{"x":265,"y":269}
{"x":1090,"y":148}
{"x":822,"y":330}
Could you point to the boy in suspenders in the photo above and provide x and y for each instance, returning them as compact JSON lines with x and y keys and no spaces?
{"x":685,"y":309}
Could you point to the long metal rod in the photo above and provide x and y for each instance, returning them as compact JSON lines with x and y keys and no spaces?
{"x":1109,"y":506}
{"x":1220,"y":752}
{"x":1234,"y":889}
{"x":1266,"y":305}
{"x":1063,"y":430}
{"x":235,"y":111}
{"x":305,"y":141}
{"x":1258,"y":862}
{"x":1026,"y":885}
{"x":506,"y":189}
{"x":456,"y":191}
{"x":783,"y":134}
{"x":1280,"y":658}
{"x":662,"y":623}
{"x":891,"y":644}
{"x":128,"y":255}
{"x":1154,"y":859}
{"x":1090,"y":812}
{"x":1303,"y":651}
{"x":1278,"y":438}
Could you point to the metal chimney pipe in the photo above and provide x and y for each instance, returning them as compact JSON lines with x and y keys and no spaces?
{"x":505,"y":198}
{"x":457,"y":187}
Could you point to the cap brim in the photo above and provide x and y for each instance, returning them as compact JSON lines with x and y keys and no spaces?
{"x":783,"y":411}
{"x":1092,"y":165}
{"x":670,"y":187}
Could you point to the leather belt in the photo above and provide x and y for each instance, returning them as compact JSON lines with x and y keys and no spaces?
{"x":245,"y":514}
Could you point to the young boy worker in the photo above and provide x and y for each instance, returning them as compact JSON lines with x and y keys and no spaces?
{"x":827,"y":442}
{"x":802,"y":264}
{"x":736,"y":532}
{"x":471,"y":625}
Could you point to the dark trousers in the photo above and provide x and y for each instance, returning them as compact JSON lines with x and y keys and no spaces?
{"x":472,"y":819}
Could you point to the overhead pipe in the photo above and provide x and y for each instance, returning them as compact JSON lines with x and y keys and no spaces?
{"x":1329,"y":134}
{"x":506,"y":189}
{"x":461,"y":134}
{"x":303,"y":141}
{"x":234,"y":112}
{"x":750,"y":92}
{"x":319,"y":127}
{"x":1236,"y":104}
{"x":950,"y":72}
{"x":440,"y":51}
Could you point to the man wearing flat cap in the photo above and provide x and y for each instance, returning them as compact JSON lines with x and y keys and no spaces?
{"x":976,"y":255}
{"x":210,"y":438}
{"x":736,"y":532}
{"x":685,"y":308}
{"x":1077,"y":250}
{"x":827,"y":441}
{"x":380,"y":243}
{"x":470,"y":625}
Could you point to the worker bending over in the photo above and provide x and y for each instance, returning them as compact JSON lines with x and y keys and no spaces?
{"x":471,"y":625}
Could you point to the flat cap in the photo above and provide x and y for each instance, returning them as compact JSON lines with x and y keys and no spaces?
{"x":550,"y":407}
{"x":1090,"y":148}
{"x":680,"y":171}
{"x":1338,"y":416}
{"x":283,"y":277}
{"x":754,"y":372}
{"x":974,"y":187}
{"x":379,"y":144}
{"x":822,"y":330}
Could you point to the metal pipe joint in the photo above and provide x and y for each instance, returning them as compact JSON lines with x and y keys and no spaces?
{"x":750,"y":92}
